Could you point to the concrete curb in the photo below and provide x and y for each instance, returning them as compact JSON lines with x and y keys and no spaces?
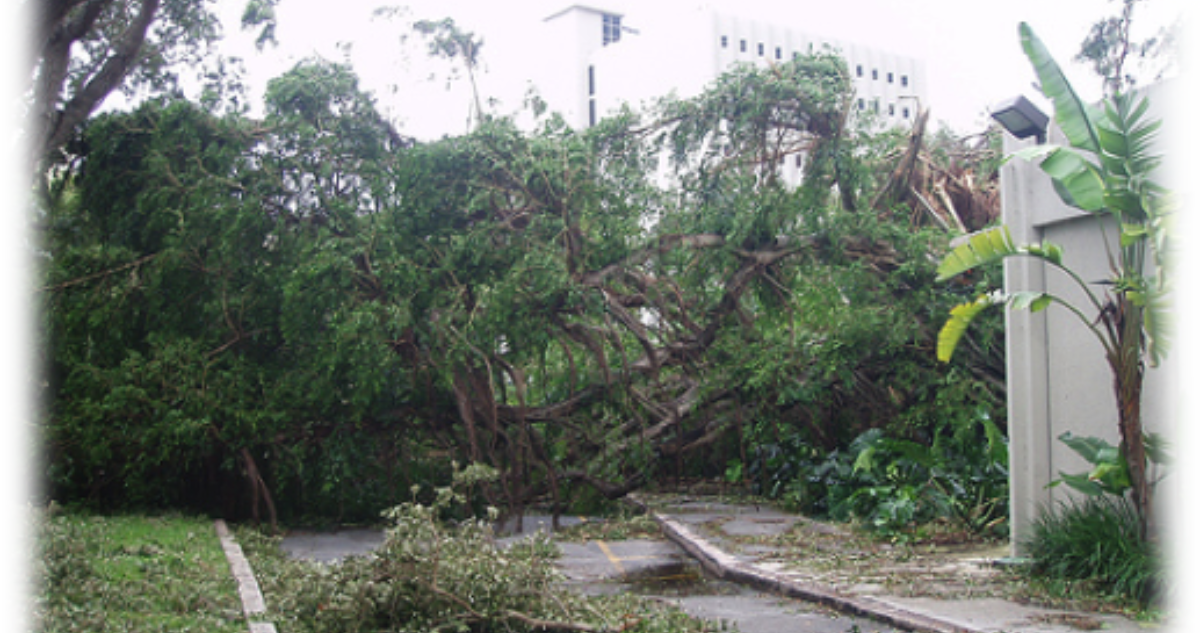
{"x":724,"y":566}
{"x":253,"y":604}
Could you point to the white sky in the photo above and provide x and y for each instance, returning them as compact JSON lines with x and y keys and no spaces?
{"x":971,"y":49}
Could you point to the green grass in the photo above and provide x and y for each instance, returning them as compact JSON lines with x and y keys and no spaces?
{"x":133,"y":573}
{"x":1095,"y":543}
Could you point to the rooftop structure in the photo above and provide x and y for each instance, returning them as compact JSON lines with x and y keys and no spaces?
{"x":596,"y":62}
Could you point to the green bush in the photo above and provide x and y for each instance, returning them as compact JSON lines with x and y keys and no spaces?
{"x":1097,"y":540}
{"x":891,"y":484}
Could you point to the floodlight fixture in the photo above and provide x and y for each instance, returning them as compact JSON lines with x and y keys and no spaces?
{"x":1021,"y":118}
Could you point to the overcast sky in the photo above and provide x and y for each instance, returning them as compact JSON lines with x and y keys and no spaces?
{"x":971,"y":50}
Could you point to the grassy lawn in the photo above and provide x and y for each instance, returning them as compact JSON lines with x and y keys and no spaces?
{"x":134,"y":573}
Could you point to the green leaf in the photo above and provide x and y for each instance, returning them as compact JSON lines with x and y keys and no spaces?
{"x":1112,"y":476}
{"x":1156,"y":448}
{"x":865,"y":461}
{"x":980,"y":248}
{"x":1089,"y":448}
{"x":1048,"y":251}
{"x":1157,"y":324}
{"x":1070,"y":112}
{"x":1132,"y":233}
{"x":997,"y":445}
{"x":960,"y":318}
{"x":1030,"y":300}
{"x":1078,"y":482}
{"x":1078,"y":181}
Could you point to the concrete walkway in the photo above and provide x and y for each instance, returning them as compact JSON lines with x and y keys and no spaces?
{"x":710,"y":532}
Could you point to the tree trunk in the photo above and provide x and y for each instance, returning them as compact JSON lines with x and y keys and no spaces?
{"x":58,"y":123}
{"x":1129,"y":373}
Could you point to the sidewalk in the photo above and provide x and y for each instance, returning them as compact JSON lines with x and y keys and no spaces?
{"x":955,"y":591}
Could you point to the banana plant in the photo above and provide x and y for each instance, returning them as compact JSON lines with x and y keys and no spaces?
{"x":1106,"y":169}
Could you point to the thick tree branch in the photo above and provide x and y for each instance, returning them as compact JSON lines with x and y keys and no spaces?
{"x":126,"y":51}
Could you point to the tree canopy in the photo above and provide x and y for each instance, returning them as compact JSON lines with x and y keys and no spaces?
{"x":310,"y":312}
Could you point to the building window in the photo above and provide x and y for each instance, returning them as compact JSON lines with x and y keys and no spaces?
{"x":904,"y":112}
{"x":612,"y":28}
{"x":891,"y":109}
{"x":743,"y":46}
{"x":591,"y":81}
{"x":761,"y":49}
{"x":591,"y":112}
{"x":858,"y":70}
{"x":724,"y":41}
{"x":875,"y":73}
{"x":862,"y":105}
{"x":778,"y":53}
{"x":891,"y":78}
{"x":875,"y":106}
{"x":904,"y":80}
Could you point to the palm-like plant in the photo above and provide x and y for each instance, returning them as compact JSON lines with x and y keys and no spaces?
{"x":1106,"y":170}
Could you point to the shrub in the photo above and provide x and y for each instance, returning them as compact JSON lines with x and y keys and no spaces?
{"x":891,"y":484}
{"x":1097,"y":540}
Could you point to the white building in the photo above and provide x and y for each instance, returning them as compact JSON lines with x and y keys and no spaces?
{"x":600,"y":63}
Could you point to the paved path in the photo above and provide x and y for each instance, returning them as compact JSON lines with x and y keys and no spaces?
{"x":764,"y":567}
{"x":754,"y":589}
{"x":662,"y":570}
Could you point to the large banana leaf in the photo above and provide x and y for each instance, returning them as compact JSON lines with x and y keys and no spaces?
{"x":1126,"y":140}
{"x":960,"y":319}
{"x":980,"y":248}
{"x":1110,"y":473}
{"x":1070,"y":112}
{"x":963,"y":314}
{"x":1078,"y":181}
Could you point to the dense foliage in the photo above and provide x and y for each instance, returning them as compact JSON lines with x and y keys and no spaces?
{"x":304,"y":315}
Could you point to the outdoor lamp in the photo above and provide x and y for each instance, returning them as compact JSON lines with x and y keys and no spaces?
{"x":1021,"y":118}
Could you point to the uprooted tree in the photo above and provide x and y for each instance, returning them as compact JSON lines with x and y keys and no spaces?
{"x":319,"y":311}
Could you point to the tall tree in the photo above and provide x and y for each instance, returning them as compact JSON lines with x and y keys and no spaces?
{"x":447,"y":40}
{"x":1111,"y":49}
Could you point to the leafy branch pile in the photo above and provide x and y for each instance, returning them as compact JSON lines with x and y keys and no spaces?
{"x":433,"y":576}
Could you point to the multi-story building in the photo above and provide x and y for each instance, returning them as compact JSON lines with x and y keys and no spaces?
{"x":596,"y":62}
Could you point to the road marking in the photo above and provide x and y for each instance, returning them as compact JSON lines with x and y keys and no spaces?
{"x":616,"y":562}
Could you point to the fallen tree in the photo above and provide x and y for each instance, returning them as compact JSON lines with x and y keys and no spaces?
{"x":347,"y":311}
